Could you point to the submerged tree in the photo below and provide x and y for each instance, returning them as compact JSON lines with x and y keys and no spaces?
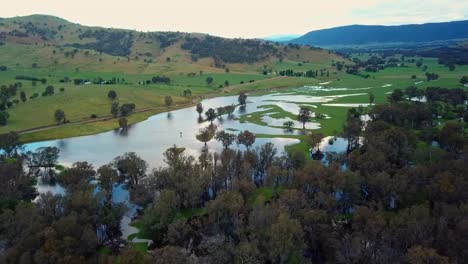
{"x":246,"y":138}
{"x":242,"y":99}
{"x":211,"y":115}
{"x":131,"y":167}
{"x":199,"y":109}
{"x":43,"y":158}
{"x":229,"y":110}
{"x":225,"y":138}
{"x":304,"y":116}
{"x":288,"y":125}
{"x":352,"y":129}
{"x":206,"y":134}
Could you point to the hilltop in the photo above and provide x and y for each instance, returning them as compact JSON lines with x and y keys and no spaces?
{"x":199,"y":50}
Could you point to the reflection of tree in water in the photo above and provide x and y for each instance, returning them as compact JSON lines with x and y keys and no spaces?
{"x":123,"y":132}
{"x":242,"y":109}
{"x":200,"y":120}
{"x":62,"y":144}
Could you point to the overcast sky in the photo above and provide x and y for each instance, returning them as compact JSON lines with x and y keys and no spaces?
{"x":240,"y":18}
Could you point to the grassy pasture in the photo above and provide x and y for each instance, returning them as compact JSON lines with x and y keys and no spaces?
{"x":81,"y":101}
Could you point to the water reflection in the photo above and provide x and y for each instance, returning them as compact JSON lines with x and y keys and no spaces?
{"x":150,"y":138}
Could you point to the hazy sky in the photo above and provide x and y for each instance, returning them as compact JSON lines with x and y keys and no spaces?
{"x":239,"y":18}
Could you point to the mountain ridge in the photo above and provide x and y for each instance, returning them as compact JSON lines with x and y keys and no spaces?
{"x":377,"y":34}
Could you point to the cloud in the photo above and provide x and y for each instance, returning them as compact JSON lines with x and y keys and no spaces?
{"x":240,"y":18}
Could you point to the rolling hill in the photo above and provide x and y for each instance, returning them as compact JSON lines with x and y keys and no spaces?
{"x":361,"y":35}
{"x":201,"y":51}
{"x":83,"y":63}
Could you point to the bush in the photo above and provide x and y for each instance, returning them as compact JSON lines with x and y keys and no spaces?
{"x":48,"y":91}
{"x":3,"y":118}
{"x":93,"y":116}
{"x":62,"y":89}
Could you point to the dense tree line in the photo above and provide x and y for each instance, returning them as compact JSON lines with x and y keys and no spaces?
{"x":165,"y":39}
{"x":116,"y":43}
{"x":447,"y":55}
{"x":31,"y":78}
{"x":228,"y":50}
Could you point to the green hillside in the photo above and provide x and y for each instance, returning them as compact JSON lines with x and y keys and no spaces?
{"x":79,"y":59}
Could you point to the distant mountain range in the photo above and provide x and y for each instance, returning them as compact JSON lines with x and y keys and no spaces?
{"x":281,"y":37}
{"x":362,"y":35}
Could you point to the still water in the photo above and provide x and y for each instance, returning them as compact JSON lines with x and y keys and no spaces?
{"x":150,"y":138}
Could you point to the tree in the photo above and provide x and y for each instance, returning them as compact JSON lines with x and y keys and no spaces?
{"x":314,"y":140}
{"x":23,"y":96}
{"x":242,"y":99}
{"x":284,"y":239}
{"x":127,"y":109}
{"x":59,"y":116}
{"x":112,"y":95}
{"x":371,"y":98}
{"x":419,"y":63}
{"x":352,"y":129}
{"x":44,"y":157}
{"x":211,"y":115}
{"x":209,"y":80}
{"x":123,"y":123}
{"x":431,"y":76}
{"x":220,"y":111}
{"x":423,"y":255}
{"x":49,"y":90}
{"x":304,"y":116}
{"x":115,"y":109}
{"x":288,"y":125}
{"x":206,"y":134}
{"x":188,"y":92}
{"x":107,"y":179}
{"x":132,"y":167}
{"x":464,"y":80}
{"x":10,"y":143}
{"x":4,"y":118}
{"x":246,"y":138}
{"x":229,"y":110}
{"x":168,"y":100}
{"x":225,"y":138}
{"x":199,"y":109}
{"x":396,"y":96}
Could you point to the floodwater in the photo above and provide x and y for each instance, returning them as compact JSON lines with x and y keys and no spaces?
{"x":150,"y":138}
